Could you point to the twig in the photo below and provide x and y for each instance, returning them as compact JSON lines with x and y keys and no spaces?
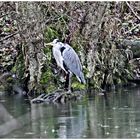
{"x":7,"y":14}
{"x":132,"y":10}
{"x":132,"y":29}
{"x":3,"y":15}
{"x":9,"y":36}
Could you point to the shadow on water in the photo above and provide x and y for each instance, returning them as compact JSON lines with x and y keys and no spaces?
{"x":115,"y":115}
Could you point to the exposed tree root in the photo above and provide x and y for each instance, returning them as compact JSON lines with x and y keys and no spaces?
{"x":58,"y":96}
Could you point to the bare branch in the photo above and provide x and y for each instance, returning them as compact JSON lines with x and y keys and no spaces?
{"x":10,"y":13}
{"x":132,"y":10}
{"x":138,"y":25}
{"x":9,"y":36}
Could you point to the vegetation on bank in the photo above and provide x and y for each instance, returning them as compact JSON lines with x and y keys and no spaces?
{"x":98,"y":31}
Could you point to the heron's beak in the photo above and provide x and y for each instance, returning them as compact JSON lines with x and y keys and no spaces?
{"x":49,"y":44}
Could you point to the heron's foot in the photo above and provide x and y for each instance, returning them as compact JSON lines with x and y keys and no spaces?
{"x":69,"y":91}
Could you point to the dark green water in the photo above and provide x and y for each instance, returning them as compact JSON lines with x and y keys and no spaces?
{"x":118,"y":116}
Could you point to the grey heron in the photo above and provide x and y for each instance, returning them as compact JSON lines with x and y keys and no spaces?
{"x":68,"y":60}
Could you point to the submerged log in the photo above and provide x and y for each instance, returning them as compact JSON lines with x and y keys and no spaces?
{"x":58,"y":96}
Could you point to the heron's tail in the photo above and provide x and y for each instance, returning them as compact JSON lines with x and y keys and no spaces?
{"x":81,"y":78}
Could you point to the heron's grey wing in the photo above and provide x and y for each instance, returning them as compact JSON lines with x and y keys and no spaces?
{"x":72,"y":60}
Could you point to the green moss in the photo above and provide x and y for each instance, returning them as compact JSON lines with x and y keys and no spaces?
{"x":19,"y":67}
{"x":51,"y":88}
{"x":78,"y":86}
{"x":9,"y":80}
{"x":50,"y":34}
{"x":46,"y":77}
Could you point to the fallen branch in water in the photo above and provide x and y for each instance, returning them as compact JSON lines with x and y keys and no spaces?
{"x":58,"y":96}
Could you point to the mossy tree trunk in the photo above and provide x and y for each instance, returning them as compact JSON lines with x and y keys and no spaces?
{"x":31,"y":26}
{"x":94,"y":18}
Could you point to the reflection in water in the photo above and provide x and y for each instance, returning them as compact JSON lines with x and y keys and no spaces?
{"x":116,"y":116}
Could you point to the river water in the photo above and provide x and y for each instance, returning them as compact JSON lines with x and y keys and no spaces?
{"x":117,"y":116}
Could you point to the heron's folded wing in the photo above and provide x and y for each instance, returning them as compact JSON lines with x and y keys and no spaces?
{"x":71,"y":60}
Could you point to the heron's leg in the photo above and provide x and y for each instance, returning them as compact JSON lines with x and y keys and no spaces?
{"x":67,"y":81}
{"x":69,"y":85}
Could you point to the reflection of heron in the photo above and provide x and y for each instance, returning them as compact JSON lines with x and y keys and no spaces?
{"x":68,"y":60}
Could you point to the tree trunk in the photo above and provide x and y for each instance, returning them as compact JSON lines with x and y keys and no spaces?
{"x":31,"y":26}
{"x":91,"y":31}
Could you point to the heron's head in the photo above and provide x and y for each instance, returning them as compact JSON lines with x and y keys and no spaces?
{"x":55,"y":41}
